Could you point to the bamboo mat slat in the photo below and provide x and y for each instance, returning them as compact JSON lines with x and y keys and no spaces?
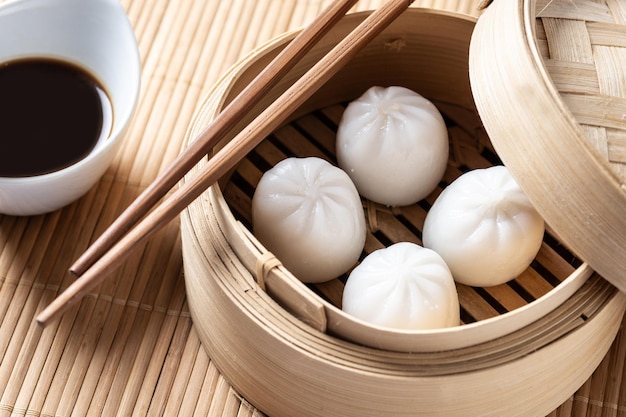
{"x":130,"y":348}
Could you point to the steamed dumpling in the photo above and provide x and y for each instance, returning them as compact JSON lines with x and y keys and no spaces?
{"x":394,"y":145}
{"x":403,"y":286}
{"x":308,"y":213}
{"x":484,"y":227}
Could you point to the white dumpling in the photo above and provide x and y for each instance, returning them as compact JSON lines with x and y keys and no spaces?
{"x":484,"y":227}
{"x":403,"y":286}
{"x":308,"y":213}
{"x":394,"y":145}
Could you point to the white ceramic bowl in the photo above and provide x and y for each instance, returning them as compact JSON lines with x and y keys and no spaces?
{"x":96,"y":35}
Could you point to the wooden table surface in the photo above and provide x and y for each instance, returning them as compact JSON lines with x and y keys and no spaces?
{"x":130,"y":348}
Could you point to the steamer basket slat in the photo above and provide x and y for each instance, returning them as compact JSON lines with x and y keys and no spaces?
{"x":523,"y":348}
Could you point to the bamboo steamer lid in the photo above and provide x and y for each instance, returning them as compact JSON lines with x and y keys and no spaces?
{"x":290,"y":352}
{"x":551,"y":90}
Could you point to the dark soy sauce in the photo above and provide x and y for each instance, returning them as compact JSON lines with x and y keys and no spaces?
{"x":52,"y":114}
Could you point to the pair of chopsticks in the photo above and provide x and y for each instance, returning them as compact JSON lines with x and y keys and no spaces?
{"x":121,"y":238}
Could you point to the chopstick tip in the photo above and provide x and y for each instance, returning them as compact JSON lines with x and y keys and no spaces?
{"x":75,"y":271}
{"x":42,"y":319}
{"x":58,"y":306}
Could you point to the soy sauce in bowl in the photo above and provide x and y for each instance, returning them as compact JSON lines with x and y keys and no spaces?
{"x":52,"y":114}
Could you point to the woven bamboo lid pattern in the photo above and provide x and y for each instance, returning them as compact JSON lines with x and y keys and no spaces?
{"x":551,"y":90}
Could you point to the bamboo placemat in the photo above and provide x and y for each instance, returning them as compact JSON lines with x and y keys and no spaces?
{"x":129,"y":348}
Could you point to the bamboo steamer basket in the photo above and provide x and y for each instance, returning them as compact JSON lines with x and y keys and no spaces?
{"x":523,"y":348}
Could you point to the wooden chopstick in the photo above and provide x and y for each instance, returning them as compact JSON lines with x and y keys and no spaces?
{"x":218,"y":165}
{"x":223,"y":124}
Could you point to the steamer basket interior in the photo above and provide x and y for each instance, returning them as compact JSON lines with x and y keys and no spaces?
{"x":436,"y":66}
